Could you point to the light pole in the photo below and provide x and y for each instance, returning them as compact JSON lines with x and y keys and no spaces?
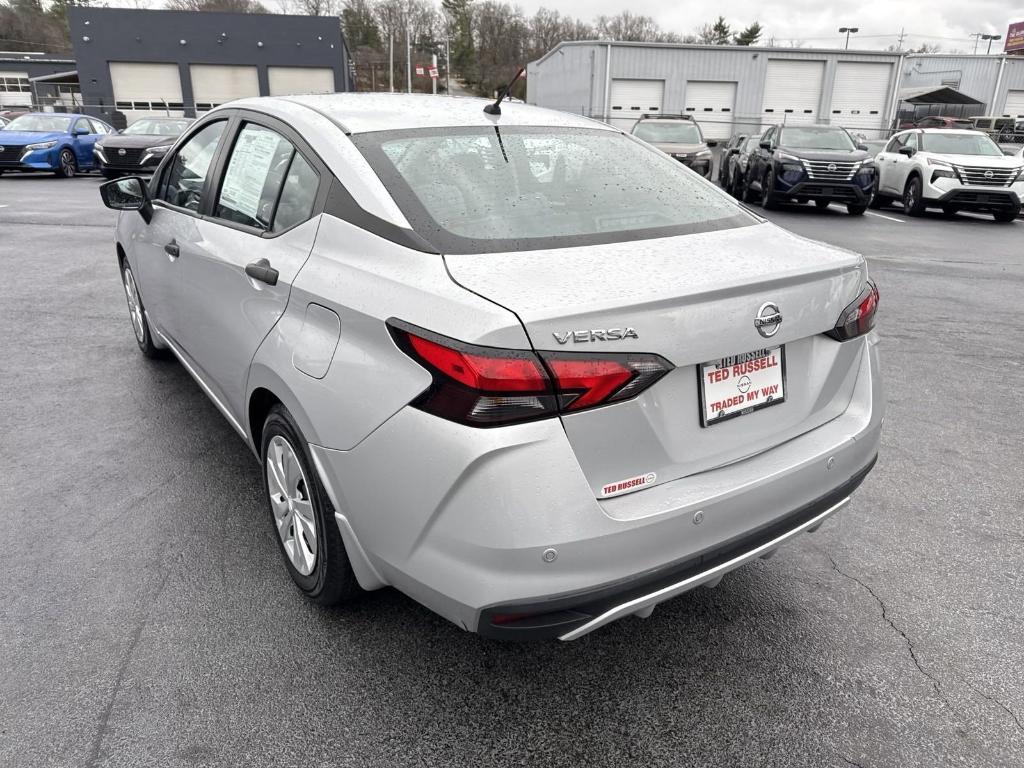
{"x":990,"y":38}
{"x":848,"y":31}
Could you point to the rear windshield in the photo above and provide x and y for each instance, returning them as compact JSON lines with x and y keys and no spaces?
{"x":960,"y":144}
{"x":478,"y":190}
{"x":816,"y":138}
{"x":658,"y":132}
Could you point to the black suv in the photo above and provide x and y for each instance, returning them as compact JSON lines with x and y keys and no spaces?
{"x":810,"y":162}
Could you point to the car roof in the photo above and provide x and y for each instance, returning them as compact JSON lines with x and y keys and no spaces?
{"x":366,"y":112}
{"x":957,"y":131}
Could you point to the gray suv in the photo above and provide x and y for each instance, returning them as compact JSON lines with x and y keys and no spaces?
{"x":679,"y":136}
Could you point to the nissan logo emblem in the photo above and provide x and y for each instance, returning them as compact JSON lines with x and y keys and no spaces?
{"x":768,"y":319}
{"x":121,"y":152}
{"x":989,"y":174}
{"x":832,"y":167}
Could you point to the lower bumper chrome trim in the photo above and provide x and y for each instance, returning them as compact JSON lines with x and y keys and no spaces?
{"x":651,"y":599}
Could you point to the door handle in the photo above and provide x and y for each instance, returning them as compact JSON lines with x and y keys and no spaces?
{"x":172,"y":249}
{"x":262,"y":271}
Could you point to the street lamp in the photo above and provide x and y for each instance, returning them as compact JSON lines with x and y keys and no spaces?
{"x":990,"y":38}
{"x":848,"y":31}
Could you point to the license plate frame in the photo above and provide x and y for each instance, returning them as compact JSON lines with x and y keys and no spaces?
{"x":728,"y":362}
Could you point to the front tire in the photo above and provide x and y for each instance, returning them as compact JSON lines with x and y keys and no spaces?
{"x":67,"y":166}
{"x":137,"y":313}
{"x":913,"y":200}
{"x":856,"y":209}
{"x":302,"y":516}
{"x":1007,"y":215}
{"x":768,"y":199}
{"x":878,"y":200}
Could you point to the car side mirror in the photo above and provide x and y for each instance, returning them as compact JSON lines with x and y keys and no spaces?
{"x":81,"y":131}
{"x":908,"y":151}
{"x":711,"y":143}
{"x":765,"y":145}
{"x":128,"y":194}
{"x":862,"y":147}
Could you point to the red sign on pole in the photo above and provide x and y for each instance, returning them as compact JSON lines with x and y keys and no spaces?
{"x":419,"y":70}
{"x":433,"y":72}
{"x":1015,"y":38}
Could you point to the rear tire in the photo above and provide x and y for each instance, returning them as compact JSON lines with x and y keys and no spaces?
{"x":1007,"y":215}
{"x":736,"y":187}
{"x":856,"y":209}
{"x":302,"y":516}
{"x":913,"y":200}
{"x":749,"y":195}
{"x":768,"y":199}
{"x":67,"y":165}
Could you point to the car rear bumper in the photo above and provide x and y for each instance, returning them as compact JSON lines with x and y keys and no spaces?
{"x":499,"y":530}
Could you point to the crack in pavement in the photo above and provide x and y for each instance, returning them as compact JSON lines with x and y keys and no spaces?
{"x":102,"y":726}
{"x":848,"y":761}
{"x":994,"y":700}
{"x":885,"y":615}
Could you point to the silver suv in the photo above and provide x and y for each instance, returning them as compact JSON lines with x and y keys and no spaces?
{"x":678,"y":136}
{"x":521,"y":366}
{"x":949,"y":169}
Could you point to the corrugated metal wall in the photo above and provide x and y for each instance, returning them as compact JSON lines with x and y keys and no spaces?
{"x":572,"y":77}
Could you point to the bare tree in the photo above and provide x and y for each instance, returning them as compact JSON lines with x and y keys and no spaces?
{"x":632,"y":27}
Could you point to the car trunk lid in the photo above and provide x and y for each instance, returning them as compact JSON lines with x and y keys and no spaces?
{"x":691,"y":299}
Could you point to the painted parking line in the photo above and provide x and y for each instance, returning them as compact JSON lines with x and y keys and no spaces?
{"x":883,"y":216}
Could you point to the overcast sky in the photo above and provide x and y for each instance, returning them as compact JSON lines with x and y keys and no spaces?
{"x":948,"y":23}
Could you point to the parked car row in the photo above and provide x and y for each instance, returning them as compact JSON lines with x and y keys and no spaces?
{"x":68,"y":144}
{"x":944,"y":168}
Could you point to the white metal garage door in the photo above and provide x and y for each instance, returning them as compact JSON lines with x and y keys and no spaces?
{"x":146,"y":89}
{"x":15,"y":90}
{"x":285,"y":81}
{"x":631,"y":98}
{"x":216,"y":84}
{"x":860,"y":95}
{"x":711,"y":103}
{"x":792,"y":91}
{"x":1014,"y":104}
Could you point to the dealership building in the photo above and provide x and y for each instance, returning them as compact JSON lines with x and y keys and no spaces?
{"x":736,"y":89}
{"x":132,"y":63}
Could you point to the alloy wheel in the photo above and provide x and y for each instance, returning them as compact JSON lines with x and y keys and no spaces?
{"x":67,"y":163}
{"x":910,"y":196}
{"x":131,"y":293}
{"x":291,"y":504}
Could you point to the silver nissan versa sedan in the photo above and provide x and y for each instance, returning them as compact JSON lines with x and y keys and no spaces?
{"x":522,"y":367}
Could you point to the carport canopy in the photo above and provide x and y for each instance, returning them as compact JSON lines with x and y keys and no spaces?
{"x":935,"y":95}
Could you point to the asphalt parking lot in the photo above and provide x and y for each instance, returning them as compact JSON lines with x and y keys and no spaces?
{"x":146,"y":619}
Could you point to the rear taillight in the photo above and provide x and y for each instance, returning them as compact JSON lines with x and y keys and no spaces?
{"x":858,"y":318}
{"x":487,"y":387}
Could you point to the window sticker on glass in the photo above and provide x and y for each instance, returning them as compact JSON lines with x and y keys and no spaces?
{"x":255,"y":151}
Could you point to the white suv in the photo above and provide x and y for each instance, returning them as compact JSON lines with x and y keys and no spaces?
{"x":949,"y":169}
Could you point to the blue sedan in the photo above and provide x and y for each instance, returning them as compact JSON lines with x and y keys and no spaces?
{"x":43,"y":141}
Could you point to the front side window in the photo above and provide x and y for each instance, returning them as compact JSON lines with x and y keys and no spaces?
{"x":98,"y":127}
{"x":667,"y":132}
{"x":479,"y":190}
{"x":960,"y":144}
{"x":911,"y":141}
{"x":185,"y":178}
{"x":816,"y":138}
{"x":40,"y":124}
{"x":896,"y":142}
{"x":83,"y":125}
{"x":255,"y":174}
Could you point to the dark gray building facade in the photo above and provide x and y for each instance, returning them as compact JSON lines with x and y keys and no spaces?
{"x":136,"y":62}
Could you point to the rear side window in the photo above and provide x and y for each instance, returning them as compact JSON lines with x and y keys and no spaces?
{"x":185,"y":179}
{"x":297,"y":196}
{"x":480,"y":190}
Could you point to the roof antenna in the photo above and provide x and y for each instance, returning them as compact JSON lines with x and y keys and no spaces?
{"x":495,"y":108}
